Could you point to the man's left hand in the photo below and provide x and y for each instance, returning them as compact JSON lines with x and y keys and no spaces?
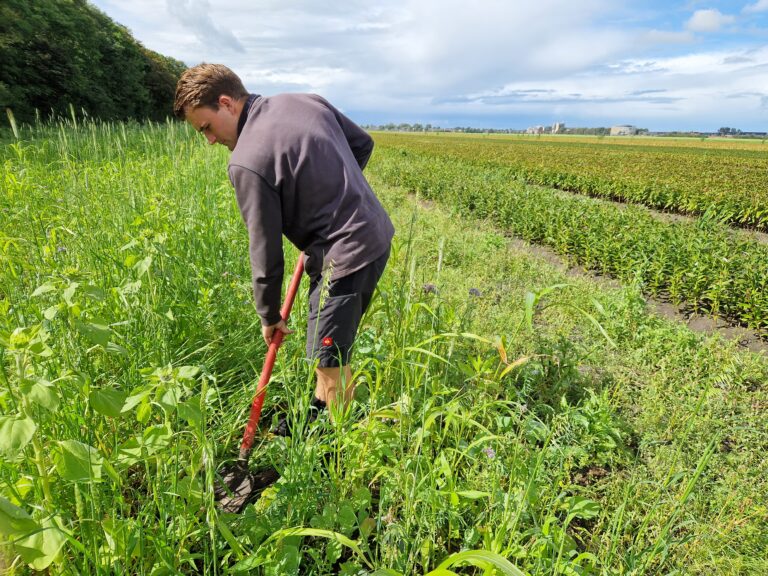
{"x":269,"y":331}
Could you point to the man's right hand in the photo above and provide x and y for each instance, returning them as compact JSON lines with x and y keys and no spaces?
{"x":269,"y":331}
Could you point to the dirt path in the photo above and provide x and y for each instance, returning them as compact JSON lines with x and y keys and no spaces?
{"x":747,"y":339}
{"x":709,"y":325}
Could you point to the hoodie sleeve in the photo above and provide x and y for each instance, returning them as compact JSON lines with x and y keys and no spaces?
{"x":260,"y":207}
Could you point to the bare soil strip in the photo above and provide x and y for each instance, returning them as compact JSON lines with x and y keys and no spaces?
{"x":709,"y":325}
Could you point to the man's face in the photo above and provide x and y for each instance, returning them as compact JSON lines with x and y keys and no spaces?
{"x":218,"y":126}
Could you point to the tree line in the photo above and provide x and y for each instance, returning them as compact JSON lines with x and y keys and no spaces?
{"x":60,"y":53}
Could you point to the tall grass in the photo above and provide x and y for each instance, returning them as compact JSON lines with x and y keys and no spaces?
{"x":130,"y":349}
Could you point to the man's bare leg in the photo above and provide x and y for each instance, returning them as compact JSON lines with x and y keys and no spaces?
{"x":334,"y":384}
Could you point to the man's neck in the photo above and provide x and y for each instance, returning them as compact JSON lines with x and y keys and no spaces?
{"x":244,"y":104}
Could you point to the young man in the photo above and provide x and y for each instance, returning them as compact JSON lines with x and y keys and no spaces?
{"x":297,"y":169}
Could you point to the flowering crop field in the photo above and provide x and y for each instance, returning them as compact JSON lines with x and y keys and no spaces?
{"x":723,"y":179}
{"x":508,"y":420}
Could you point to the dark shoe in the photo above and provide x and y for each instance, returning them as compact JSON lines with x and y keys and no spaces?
{"x":282,"y":428}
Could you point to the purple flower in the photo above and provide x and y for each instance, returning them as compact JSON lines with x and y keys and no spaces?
{"x":490,"y":452}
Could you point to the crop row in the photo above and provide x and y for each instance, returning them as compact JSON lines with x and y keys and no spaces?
{"x":702,"y":263}
{"x":728,"y":185}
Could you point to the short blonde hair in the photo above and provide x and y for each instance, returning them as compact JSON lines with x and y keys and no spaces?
{"x":202,"y":85}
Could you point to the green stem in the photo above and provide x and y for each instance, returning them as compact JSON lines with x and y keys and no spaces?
{"x":6,"y":380}
{"x":36,"y":445}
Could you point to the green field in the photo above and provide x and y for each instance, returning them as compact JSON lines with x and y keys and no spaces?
{"x":723,"y":179}
{"x":509,"y":418}
{"x":703,"y":262}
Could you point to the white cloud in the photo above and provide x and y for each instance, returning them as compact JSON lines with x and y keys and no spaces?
{"x":696,"y":91}
{"x":195,"y":16}
{"x":708,"y":21}
{"x":662,"y":37}
{"x":421,"y":60}
{"x":759,"y":6}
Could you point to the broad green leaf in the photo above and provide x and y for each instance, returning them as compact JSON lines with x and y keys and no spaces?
{"x":347,"y":518}
{"x":128,"y":453}
{"x":51,"y":312}
{"x":187,"y":372}
{"x":23,"y":485}
{"x":137,"y":397}
{"x":332,"y":552}
{"x":94,"y":292}
{"x":78,"y":462}
{"x":14,"y":521}
{"x":69,"y":293}
{"x":44,"y":289}
{"x":113,"y":348}
{"x":122,"y":537}
{"x":40,"y":392}
{"x":171,"y":397}
{"x":144,"y":412}
{"x":190,"y":411}
{"x":481,"y":558}
{"x":39,"y":550}
{"x":252,"y":561}
{"x":31,"y":338}
{"x":97,"y":331}
{"x":473,"y":494}
{"x":108,"y":401}
{"x":15,"y":433}
{"x":584,"y":508}
{"x":143,"y":266}
{"x":536,"y":430}
{"x":155,"y":438}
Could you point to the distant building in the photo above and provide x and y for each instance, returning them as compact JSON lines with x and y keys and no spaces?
{"x":535,"y":130}
{"x":558,"y":127}
{"x":623,"y":130}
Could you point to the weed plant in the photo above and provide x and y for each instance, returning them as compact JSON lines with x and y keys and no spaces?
{"x":488,"y":435}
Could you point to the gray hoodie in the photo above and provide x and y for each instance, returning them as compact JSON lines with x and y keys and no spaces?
{"x":297,"y":170}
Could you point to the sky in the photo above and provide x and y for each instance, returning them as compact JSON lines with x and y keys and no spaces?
{"x":659,"y":64}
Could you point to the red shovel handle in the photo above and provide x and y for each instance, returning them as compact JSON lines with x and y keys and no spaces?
{"x":269,"y":362}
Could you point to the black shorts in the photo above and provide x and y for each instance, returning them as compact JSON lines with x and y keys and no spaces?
{"x":331,"y":333}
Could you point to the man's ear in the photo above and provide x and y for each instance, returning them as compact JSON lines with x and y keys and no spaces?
{"x":226,"y":102}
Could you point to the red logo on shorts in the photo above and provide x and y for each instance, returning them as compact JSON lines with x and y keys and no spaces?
{"x":327,"y":341}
